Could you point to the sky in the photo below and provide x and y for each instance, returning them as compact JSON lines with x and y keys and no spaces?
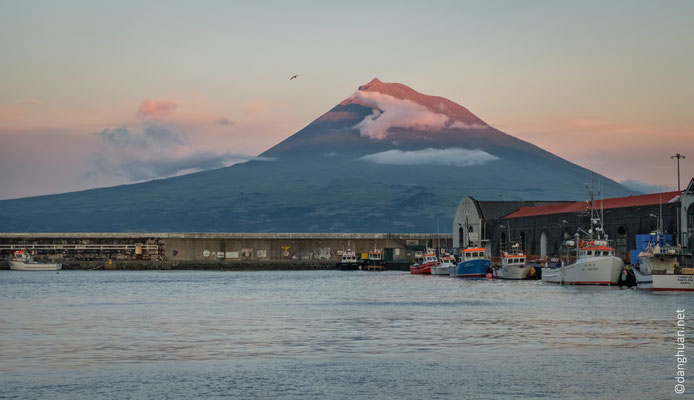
{"x":96,"y":94}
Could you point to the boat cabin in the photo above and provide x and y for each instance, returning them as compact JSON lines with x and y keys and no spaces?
{"x":349,"y":257}
{"x":595,"y":251}
{"x":472,"y":254}
{"x":375,"y":255}
{"x":23,"y":256}
{"x":430,"y":259}
{"x":513,"y":259}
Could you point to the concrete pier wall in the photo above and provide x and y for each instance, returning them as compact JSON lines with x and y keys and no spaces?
{"x":180,"y":250}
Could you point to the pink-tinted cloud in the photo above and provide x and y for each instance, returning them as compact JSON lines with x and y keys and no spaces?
{"x":150,"y":109}
{"x":224,"y":121}
{"x":390,"y":112}
{"x":156,"y":151}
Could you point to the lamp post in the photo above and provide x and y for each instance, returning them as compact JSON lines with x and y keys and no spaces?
{"x":679,"y":157}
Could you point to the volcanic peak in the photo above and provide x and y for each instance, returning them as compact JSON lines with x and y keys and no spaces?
{"x":435,"y":104}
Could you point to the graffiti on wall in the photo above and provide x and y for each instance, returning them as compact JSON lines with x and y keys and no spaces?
{"x":321,"y":253}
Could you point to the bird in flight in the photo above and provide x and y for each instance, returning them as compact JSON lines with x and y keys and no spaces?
{"x":295,"y":76}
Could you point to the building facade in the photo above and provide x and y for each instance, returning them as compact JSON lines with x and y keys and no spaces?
{"x":540,"y":228}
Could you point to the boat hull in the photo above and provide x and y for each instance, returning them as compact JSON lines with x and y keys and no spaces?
{"x":440,"y":270}
{"x":423,"y":270}
{"x":471,"y":269}
{"x":348,"y":266}
{"x":664,"y":282}
{"x":589,"y":271}
{"x":24,"y":266}
{"x":513,"y":272}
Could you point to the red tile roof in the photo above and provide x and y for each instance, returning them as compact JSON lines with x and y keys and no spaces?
{"x":618,"y":202}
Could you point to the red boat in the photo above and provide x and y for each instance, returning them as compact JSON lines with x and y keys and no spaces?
{"x":423,"y":264}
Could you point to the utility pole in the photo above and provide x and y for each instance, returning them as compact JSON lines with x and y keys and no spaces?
{"x":680,"y":235}
{"x":678,"y":156}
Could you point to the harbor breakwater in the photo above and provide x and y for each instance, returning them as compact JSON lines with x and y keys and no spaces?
{"x":216,"y":251}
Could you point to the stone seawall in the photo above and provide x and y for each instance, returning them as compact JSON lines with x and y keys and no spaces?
{"x":224,"y":251}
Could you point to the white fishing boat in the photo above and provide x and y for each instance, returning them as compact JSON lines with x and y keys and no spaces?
{"x":22,"y":260}
{"x":659,"y":270}
{"x":595,"y":262}
{"x":513,"y":266}
{"x":349,"y":261}
{"x":443,"y":267}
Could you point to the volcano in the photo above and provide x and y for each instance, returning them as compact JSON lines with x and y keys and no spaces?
{"x":386,"y":159}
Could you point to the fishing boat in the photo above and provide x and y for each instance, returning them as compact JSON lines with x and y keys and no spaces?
{"x":443,"y":268}
{"x":374,"y":261}
{"x":423,"y":264}
{"x":513,"y":265}
{"x":349,"y":261}
{"x":596,"y":264}
{"x":473,"y":264}
{"x":22,"y":260}
{"x":659,"y":270}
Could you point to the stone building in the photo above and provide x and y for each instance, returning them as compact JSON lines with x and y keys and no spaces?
{"x":540,"y":227}
{"x":474,"y":220}
{"x":540,"y":231}
{"x":687,"y":218}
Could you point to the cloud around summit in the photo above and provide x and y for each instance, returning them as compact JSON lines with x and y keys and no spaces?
{"x":390,"y":112}
{"x":455,"y":156}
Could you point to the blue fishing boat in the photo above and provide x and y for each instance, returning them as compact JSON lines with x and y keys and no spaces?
{"x":473,"y":264}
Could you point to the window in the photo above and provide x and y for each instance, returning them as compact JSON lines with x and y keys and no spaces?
{"x":590,"y":252}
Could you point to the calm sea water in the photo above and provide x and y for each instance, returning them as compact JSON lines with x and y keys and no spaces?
{"x":331,"y":334}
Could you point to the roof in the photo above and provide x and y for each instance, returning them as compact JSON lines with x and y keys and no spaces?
{"x":469,"y":250}
{"x":497,"y":209}
{"x":618,"y":202}
{"x":598,"y":248}
{"x":690,"y":188}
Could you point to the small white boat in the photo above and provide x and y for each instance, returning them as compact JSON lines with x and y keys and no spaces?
{"x":444,"y":266}
{"x":22,"y":260}
{"x":513,"y":266}
{"x":659,"y":270}
{"x":349,"y":261}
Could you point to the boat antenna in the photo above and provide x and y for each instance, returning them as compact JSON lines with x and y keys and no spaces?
{"x":660,"y":220}
{"x":438,"y":237}
{"x":602,"y":208}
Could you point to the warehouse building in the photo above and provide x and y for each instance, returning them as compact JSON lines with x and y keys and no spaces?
{"x":540,"y":228}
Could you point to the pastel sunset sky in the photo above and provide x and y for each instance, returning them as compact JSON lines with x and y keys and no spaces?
{"x":96,"y":94}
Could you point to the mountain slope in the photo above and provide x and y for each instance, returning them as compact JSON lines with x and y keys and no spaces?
{"x":386,"y":159}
